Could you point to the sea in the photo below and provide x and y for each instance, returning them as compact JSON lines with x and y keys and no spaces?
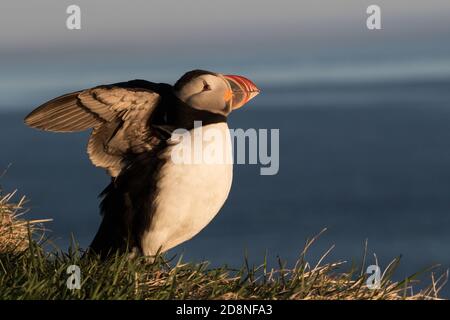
{"x":367,"y":161}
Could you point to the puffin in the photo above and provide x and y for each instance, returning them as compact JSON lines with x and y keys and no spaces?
{"x":153,"y":203}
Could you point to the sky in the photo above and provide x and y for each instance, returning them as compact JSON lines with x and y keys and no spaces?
{"x":270,"y":41}
{"x":170,"y":24}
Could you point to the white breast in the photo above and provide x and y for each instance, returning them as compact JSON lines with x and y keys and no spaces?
{"x":190,"y":194}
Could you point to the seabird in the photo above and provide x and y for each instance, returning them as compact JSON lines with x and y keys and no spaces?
{"x":152,"y":203}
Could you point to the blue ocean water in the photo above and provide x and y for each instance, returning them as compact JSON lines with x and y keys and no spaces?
{"x":365,"y":160}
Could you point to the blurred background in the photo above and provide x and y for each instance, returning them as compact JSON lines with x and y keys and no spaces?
{"x":363,"y":116}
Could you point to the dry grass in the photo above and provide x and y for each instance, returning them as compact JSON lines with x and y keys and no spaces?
{"x":14,"y":231}
{"x":27,"y":271}
{"x":321,"y":281}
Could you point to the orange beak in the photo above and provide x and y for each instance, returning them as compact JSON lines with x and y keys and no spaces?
{"x":242,"y":91}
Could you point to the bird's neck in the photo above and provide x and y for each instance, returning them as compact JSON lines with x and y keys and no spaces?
{"x":183,"y":116}
{"x":178,"y":114}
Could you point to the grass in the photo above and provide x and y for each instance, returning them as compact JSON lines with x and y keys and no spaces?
{"x":27,"y":271}
{"x":14,"y":232}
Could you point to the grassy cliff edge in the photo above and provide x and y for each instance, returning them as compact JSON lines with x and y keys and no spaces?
{"x":27,"y":271}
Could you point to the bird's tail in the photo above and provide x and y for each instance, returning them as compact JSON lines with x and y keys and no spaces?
{"x":128,"y":204}
{"x":114,"y":232}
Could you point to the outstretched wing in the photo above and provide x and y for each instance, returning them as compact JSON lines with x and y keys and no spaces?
{"x":119,"y":115}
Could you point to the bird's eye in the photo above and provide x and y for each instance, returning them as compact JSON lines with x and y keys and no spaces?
{"x":206,"y":86}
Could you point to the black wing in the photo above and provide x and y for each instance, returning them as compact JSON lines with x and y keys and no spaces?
{"x":119,"y":115}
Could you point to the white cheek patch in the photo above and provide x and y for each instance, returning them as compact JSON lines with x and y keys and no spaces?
{"x":212,"y":100}
{"x":209,"y":101}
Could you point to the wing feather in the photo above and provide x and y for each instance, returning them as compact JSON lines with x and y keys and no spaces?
{"x":99,"y":152}
{"x":118,"y":113}
{"x":57,"y":114}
